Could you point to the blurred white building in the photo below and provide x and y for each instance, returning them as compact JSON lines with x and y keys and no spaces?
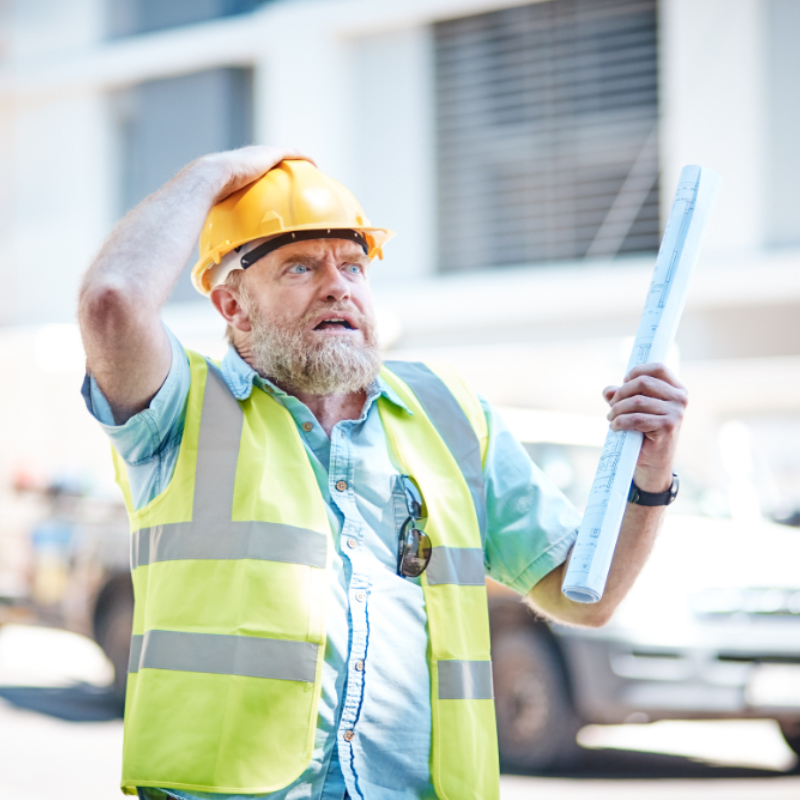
{"x":525,"y":153}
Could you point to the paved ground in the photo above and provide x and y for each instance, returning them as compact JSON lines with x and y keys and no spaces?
{"x":60,"y":739}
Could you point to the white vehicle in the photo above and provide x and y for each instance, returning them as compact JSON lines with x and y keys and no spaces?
{"x":711,"y":630}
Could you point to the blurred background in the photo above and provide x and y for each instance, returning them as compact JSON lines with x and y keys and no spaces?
{"x":526,"y":154}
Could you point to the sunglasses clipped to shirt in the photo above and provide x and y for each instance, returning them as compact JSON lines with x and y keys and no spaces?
{"x":414,"y":546}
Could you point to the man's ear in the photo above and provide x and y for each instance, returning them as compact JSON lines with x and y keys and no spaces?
{"x":227,"y":301}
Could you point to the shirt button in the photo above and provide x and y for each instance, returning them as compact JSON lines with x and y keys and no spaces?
{"x":341,"y":485}
{"x":348,"y":736}
{"x":307,"y":426}
{"x":359,"y":666}
{"x":361,"y":596}
{"x":352,"y":544}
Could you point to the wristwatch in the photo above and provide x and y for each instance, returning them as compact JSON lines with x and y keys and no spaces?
{"x":643,"y":498}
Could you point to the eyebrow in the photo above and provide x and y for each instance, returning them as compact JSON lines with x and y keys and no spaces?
{"x":306,"y":260}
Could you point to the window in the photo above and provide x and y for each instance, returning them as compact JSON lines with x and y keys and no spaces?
{"x":127,"y":17}
{"x":165,"y":124}
{"x":547,"y":133}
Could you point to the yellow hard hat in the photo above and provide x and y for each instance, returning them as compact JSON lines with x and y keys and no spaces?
{"x":293,"y":196}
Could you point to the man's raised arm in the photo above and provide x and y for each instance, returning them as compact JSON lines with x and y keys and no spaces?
{"x":123,"y":291}
{"x":653,"y":401}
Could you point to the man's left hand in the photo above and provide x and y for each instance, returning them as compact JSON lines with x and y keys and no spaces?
{"x":653,"y":401}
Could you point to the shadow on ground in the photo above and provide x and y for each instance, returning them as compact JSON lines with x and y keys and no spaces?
{"x":79,"y":703}
{"x":612,"y":764}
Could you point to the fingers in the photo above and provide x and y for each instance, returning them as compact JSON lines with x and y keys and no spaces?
{"x":264,"y":154}
{"x":649,"y":415}
{"x":650,"y":400}
{"x":246,"y":164}
{"x":261,"y":156}
{"x":659,"y":371}
{"x":652,"y":425}
{"x":297,"y":154}
{"x":644,"y":409}
{"x":652,"y":380}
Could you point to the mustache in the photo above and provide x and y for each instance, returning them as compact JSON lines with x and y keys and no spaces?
{"x":285,"y":351}
{"x":363,"y":322}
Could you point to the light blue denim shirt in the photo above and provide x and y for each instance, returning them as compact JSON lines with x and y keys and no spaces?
{"x":376,"y":681}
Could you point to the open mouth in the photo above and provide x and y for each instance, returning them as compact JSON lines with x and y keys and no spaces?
{"x":334,"y":323}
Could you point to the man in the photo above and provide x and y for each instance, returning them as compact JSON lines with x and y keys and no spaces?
{"x":310,"y":531}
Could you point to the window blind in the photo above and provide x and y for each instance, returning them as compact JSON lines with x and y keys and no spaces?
{"x":547,"y":133}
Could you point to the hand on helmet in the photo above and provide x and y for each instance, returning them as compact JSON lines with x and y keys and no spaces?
{"x":236,"y":168}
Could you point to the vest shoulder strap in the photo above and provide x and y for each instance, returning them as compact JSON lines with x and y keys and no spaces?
{"x":204,"y":454}
{"x":457,"y":415}
{"x":419,"y":373}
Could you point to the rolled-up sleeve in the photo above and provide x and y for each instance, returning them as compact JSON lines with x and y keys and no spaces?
{"x":148,"y":441}
{"x":531,"y":525}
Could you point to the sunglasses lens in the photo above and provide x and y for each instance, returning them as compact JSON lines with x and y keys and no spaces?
{"x":416,"y":553}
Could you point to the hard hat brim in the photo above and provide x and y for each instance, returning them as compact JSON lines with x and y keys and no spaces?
{"x":376,"y":238}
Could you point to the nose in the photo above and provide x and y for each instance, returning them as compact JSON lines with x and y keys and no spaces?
{"x":334,"y":284}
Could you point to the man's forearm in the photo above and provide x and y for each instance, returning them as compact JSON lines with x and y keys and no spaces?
{"x":636,"y":538}
{"x":651,"y":401}
{"x":129,"y":281}
{"x":146,"y":252}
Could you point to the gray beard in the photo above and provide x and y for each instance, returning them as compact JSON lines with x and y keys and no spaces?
{"x":291,"y":357}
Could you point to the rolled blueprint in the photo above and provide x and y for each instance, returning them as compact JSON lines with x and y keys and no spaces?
{"x":588,"y":570}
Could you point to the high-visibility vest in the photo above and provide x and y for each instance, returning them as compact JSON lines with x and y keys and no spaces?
{"x":231,"y":565}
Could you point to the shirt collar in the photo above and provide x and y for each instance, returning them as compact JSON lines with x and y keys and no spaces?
{"x":241,"y":378}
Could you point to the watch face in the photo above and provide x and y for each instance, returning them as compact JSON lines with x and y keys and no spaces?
{"x":673,"y":490}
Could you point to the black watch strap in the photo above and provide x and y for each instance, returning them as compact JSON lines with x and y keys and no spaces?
{"x":642,"y":498}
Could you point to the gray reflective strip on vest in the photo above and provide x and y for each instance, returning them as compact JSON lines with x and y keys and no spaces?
{"x":136,"y":653}
{"x":212,"y":534}
{"x":217,"y":450}
{"x":219,"y":654}
{"x":460,"y":565}
{"x":465,"y":680}
{"x":452,"y":424}
{"x":213,"y":539}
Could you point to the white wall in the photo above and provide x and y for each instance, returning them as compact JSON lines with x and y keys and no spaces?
{"x":303,"y":95}
{"x":44,"y":426}
{"x":55,"y":161}
{"x":8,"y":271}
{"x":65,"y":202}
{"x":44,"y":28}
{"x":394,"y":142}
{"x":713,"y":109}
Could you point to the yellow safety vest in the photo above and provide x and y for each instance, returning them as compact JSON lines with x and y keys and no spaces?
{"x":231,"y":567}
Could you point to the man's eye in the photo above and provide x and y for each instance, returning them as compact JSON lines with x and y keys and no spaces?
{"x":354,"y":269}
{"x":298,"y":269}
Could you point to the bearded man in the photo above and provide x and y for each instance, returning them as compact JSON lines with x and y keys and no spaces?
{"x":311,"y":530}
